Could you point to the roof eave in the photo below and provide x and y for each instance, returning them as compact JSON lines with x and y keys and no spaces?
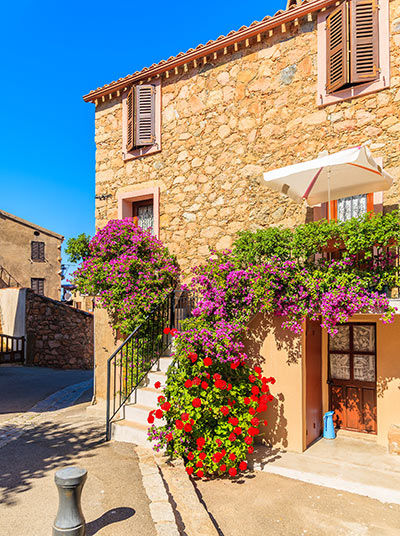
{"x":184,"y":58}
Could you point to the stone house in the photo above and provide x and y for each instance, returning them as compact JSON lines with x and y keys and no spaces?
{"x":30,"y":256}
{"x":182,"y":146}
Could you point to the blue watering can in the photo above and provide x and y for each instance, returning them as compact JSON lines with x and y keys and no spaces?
{"x":329,"y":429}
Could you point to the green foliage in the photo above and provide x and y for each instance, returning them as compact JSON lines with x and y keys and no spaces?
{"x":78,"y":248}
{"x":254,"y":247}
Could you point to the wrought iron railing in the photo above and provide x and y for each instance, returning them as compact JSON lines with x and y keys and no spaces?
{"x":12,"y":349}
{"x":128,"y":366}
{"x":6,"y":279}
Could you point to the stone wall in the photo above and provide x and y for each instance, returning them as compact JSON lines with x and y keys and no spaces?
{"x":57,"y":335}
{"x":225,"y":123}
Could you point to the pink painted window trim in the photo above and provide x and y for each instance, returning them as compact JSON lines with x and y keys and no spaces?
{"x":126,"y":199}
{"x":383,"y":82}
{"x":143,"y":151}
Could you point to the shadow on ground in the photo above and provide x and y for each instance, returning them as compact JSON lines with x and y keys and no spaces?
{"x":55,"y":447}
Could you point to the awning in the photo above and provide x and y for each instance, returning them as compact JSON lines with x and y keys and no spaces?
{"x":343,"y":174}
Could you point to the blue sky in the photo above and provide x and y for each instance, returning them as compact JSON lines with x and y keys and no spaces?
{"x":52,"y":54}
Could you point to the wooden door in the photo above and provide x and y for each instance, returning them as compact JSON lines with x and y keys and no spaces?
{"x":352,"y":377}
{"x":313,"y":381}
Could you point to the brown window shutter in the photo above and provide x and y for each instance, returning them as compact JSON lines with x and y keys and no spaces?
{"x":130,"y":142}
{"x":144,"y":115}
{"x":364,"y":42}
{"x":337,"y":30}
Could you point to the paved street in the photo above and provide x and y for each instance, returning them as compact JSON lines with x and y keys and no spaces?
{"x":114,"y":501}
{"x":263,"y":503}
{"x":23,"y":387}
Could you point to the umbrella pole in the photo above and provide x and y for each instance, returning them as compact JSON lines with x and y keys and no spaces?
{"x":329,"y":194}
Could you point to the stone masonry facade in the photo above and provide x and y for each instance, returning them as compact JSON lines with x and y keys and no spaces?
{"x":58,"y":336}
{"x":225,"y":122}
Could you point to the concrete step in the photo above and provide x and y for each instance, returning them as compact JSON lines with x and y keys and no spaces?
{"x":130,"y":432}
{"x":139,"y":413}
{"x":145,"y":396}
{"x":153,"y":377}
{"x":162,"y":365}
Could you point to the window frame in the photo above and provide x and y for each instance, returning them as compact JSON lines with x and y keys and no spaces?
{"x":37,"y":279}
{"x":127,"y":199}
{"x":383,"y":82}
{"x":41,"y":259}
{"x":147,"y":149}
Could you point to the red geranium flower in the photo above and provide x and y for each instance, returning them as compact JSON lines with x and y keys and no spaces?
{"x":252,"y":378}
{"x":246,"y":400}
{"x":217,"y":376}
{"x":157,"y":385}
{"x":229,"y":387}
{"x":237,"y":430}
{"x":193,"y":357}
{"x":217,"y":457}
{"x":264,"y":388}
{"x":264,"y":379}
{"x":190,"y":456}
{"x":252,"y":411}
{"x":232,"y":456}
{"x":254,"y":421}
{"x":254,"y":398}
{"x":188,"y":384}
{"x":207,"y":361}
{"x":200,"y":473}
{"x":253,"y":431}
{"x":199,"y":464}
{"x":232,"y":437}
{"x":185,"y":416}
{"x":231,"y":402}
{"x":179,"y":424}
{"x":166,"y":406}
{"x":159,"y":414}
{"x":202,"y":455}
{"x":196,"y":381}
{"x":218,"y":442}
{"x":257,"y":369}
{"x":265,"y":423}
{"x":242,"y":466}
{"x":223,"y":452}
{"x":225,"y":410}
{"x":232,"y":471}
{"x":166,"y":331}
{"x":235,"y":365}
{"x":161,"y":398}
{"x":150,"y":419}
{"x":168,"y":437}
{"x":201,"y":442}
{"x":248,"y":440}
{"x":233,"y":420}
{"x":250,"y":450}
{"x":204,"y":385}
{"x":189,"y":470}
{"x":188,"y":427}
{"x":255,"y":389}
{"x":222,"y":467}
{"x":261,"y":408}
{"x":270,"y":398}
{"x":272,"y":380}
{"x":196,"y":402}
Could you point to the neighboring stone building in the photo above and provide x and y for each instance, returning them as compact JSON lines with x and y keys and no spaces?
{"x":30,"y":256}
{"x":182,"y":145}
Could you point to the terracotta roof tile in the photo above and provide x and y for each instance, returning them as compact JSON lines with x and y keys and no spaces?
{"x":294,"y":11}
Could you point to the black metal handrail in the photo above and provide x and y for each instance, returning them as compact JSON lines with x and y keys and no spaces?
{"x":12,"y":349}
{"x":141,"y":350}
{"x":10,"y":282}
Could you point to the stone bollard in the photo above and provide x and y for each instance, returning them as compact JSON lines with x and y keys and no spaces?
{"x":70,"y":520}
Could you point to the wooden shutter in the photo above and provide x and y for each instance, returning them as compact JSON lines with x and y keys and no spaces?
{"x":37,"y":251}
{"x":364,"y":40}
{"x":337,"y":30}
{"x":37,"y":285}
{"x":130,"y":142}
{"x":144,"y":115}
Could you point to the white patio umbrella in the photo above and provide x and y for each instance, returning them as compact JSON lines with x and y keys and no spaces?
{"x":346,"y":173}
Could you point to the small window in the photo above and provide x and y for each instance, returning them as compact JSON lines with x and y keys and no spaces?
{"x":352,"y":207}
{"x":37,"y":251}
{"x":37,"y":285}
{"x":144,"y":212}
{"x":142,"y":120}
{"x":353,"y":50}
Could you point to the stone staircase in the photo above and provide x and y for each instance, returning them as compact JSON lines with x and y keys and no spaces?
{"x":132,"y":425}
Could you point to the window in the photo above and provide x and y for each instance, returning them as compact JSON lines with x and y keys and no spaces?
{"x":351,"y":207}
{"x":37,"y":285}
{"x":142,"y":120}
{"x":353,"y":50}
{"x":37,"y":251}
{"x":143,"y":211}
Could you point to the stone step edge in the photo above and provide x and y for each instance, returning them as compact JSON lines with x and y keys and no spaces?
{"x":192,"y":514}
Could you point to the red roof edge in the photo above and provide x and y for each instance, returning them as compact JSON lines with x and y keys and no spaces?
{"x":246,"y":32}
